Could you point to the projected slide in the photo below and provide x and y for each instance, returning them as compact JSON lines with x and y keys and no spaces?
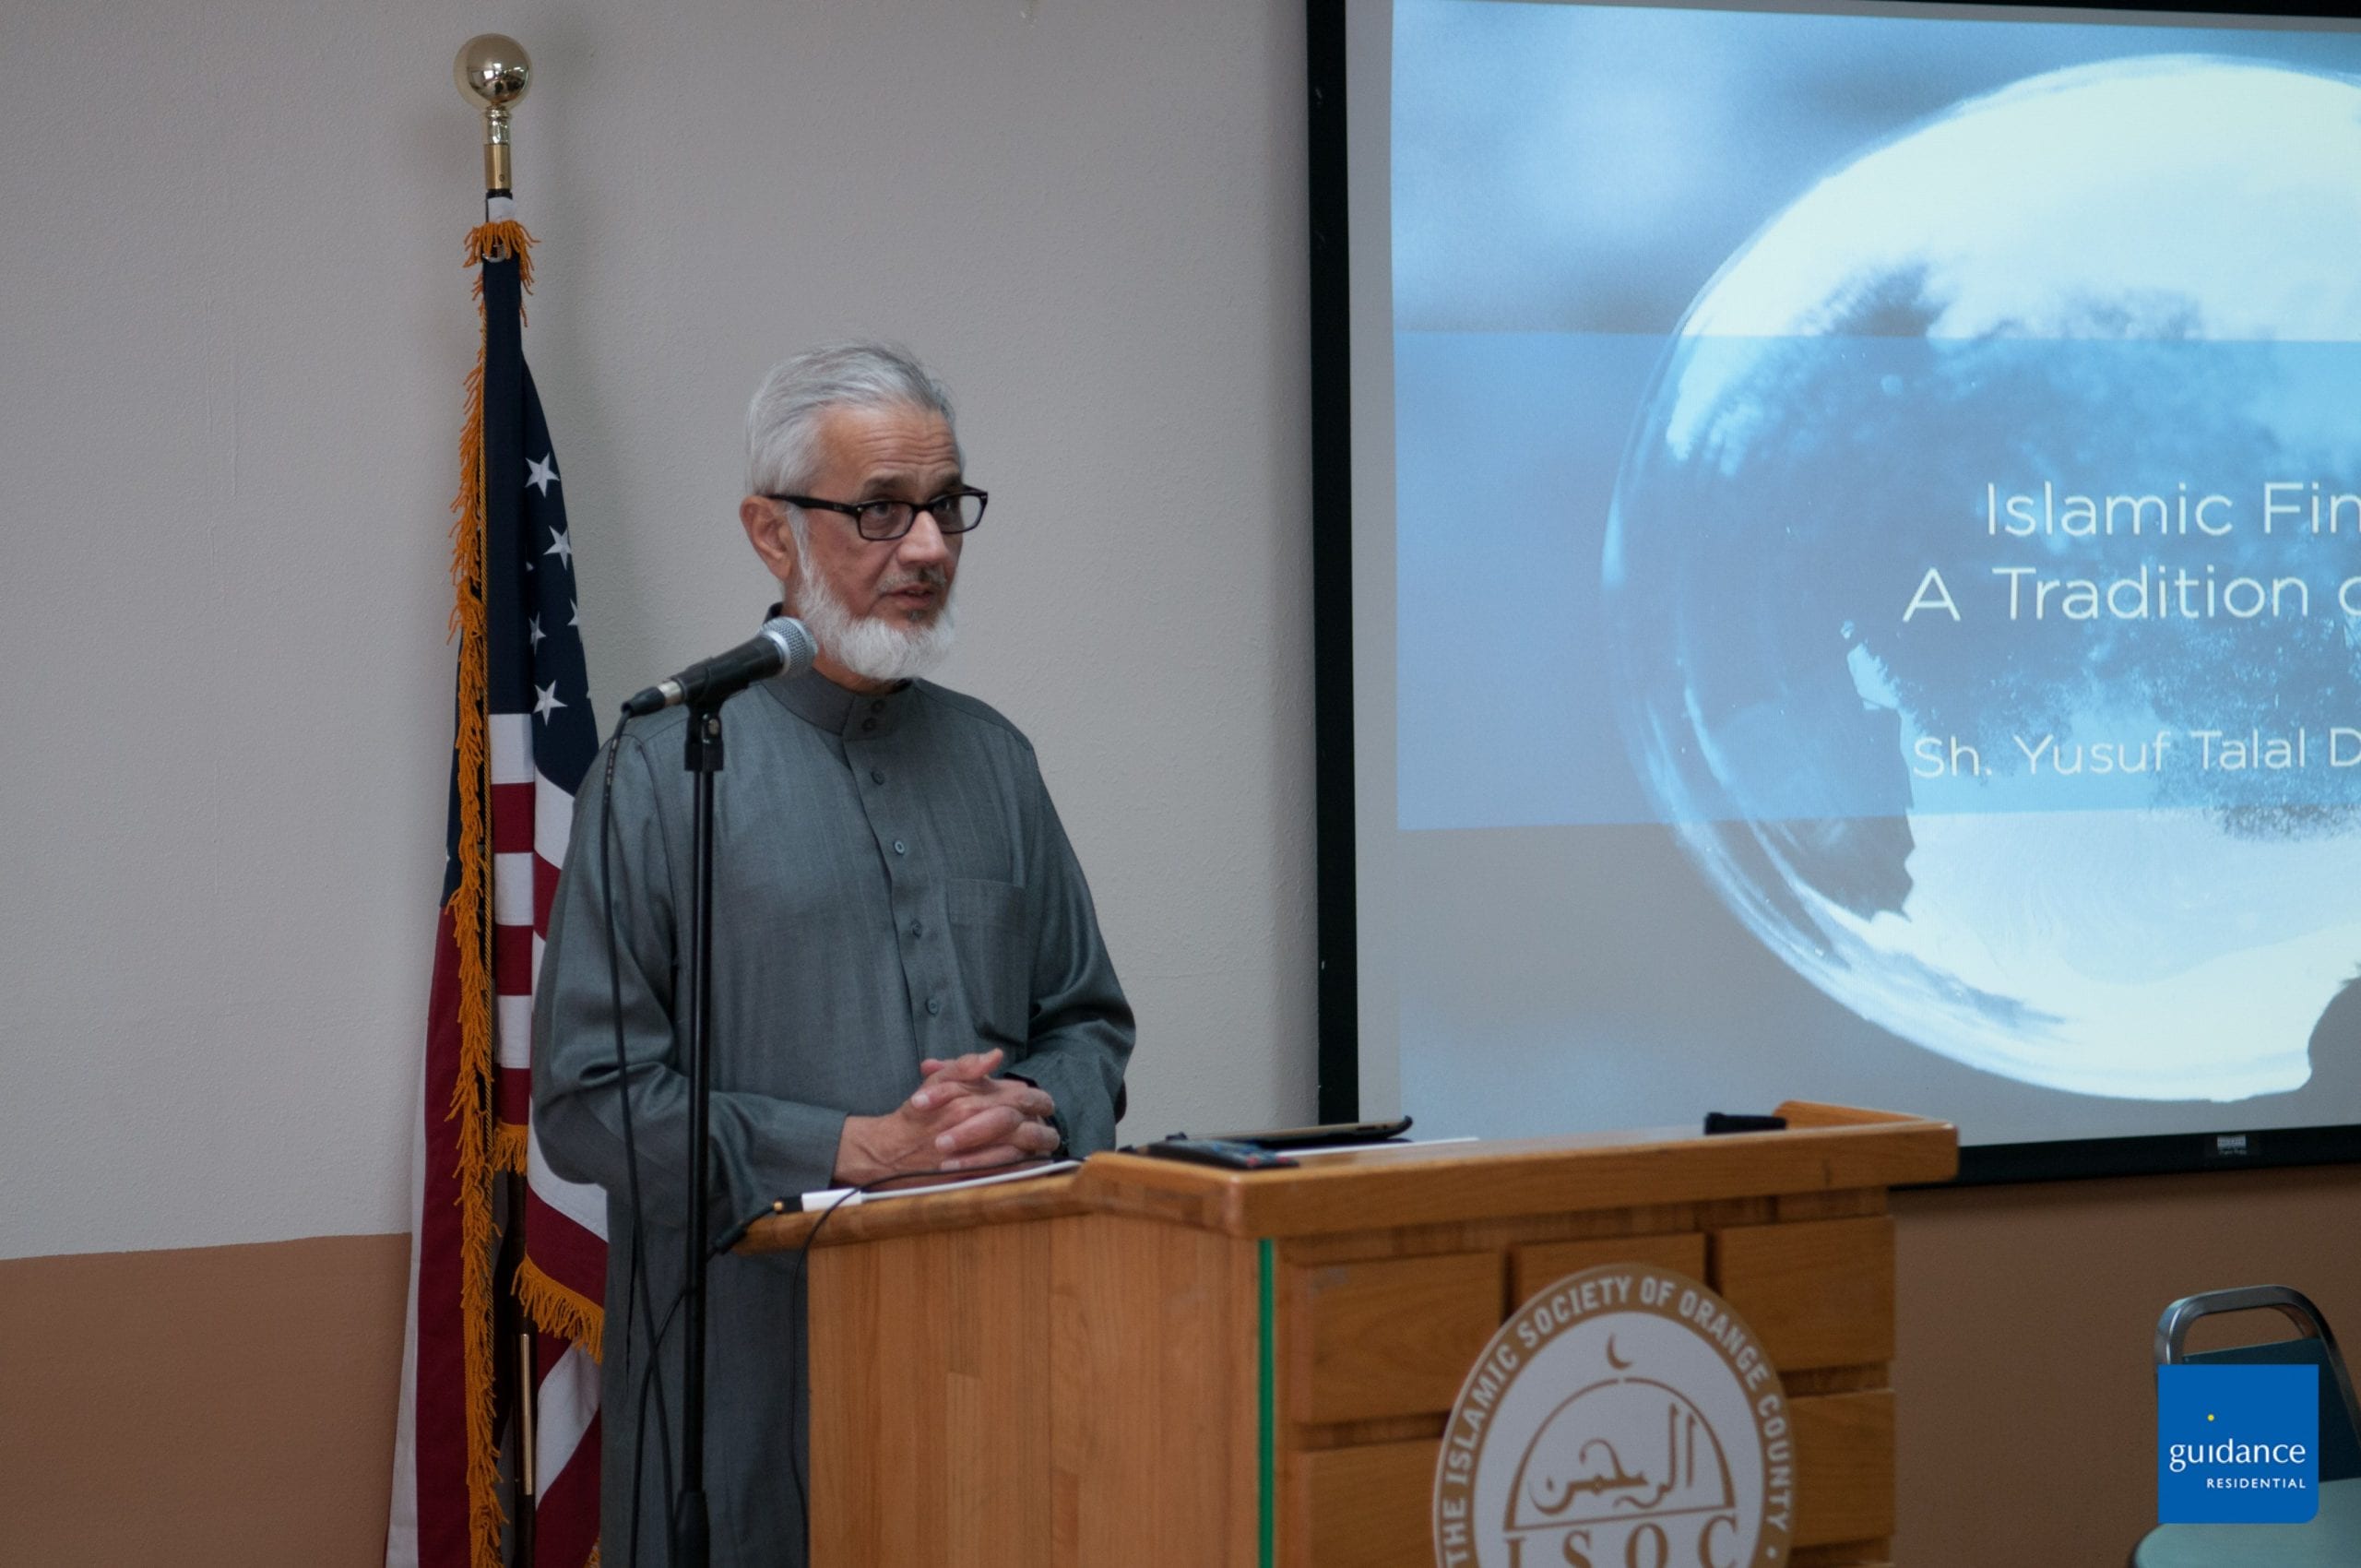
{"x":1901,"y":478}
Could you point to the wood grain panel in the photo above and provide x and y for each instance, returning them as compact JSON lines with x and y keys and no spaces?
{"x":1843,"y":1468}
{"x":1831,"y":1206}
{"x":1723,"y":1213}
{"x":1439,"y":1183}
{"x":1804,"y":1383}
{"x":928,"y":1424}
{"x":1530,"y":1268}
{"x":1778,"y":1278}
{"x":1002,"y":1396}
{"x":1155,"y":1455}
{"x":1362,"y":1434}
{"x":1491,"y":1235}
{"x":1392,"y":1339}
{"x":1361,"y":1507}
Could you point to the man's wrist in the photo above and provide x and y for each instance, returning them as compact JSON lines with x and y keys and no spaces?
{"x":855,"y":1165}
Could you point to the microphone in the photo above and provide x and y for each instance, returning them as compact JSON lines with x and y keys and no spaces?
{"x":783,"y":646}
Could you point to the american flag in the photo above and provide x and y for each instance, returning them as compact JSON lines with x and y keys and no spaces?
{"x":526,"y":737}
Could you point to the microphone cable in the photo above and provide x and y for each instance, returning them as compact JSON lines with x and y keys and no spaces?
{"x":728,"y":1239}
{"x":637,"y":1303}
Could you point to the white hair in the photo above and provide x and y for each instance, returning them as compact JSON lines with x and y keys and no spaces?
{"x":783,"y":421}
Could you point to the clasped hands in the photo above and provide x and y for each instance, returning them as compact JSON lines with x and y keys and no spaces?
{"x":961,"y":1117}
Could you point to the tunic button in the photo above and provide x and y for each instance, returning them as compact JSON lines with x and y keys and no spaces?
{"x":869,"y":724}
{"x":877,"y":776}
{"x":933,"y":1006}
{"x":918,"y":928}
{"x":898,"y":848}
{"x":877,"y":707}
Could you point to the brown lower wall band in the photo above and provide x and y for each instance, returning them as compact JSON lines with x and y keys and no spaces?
{"x":2026,"y":1382}
{"x":201,"y":1405}
{"x":235,"y":1405}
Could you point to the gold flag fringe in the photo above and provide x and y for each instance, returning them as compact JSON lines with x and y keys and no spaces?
{"x":508,"y":1146}
{"x":472,"y":1093}
{"x":497,"y":242}
{"x":555,"y":1308}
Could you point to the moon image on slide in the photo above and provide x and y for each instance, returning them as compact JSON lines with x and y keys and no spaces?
{"x":1984,"y":579}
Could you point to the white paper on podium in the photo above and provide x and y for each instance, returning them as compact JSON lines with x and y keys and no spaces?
{"x":840,"y":1197}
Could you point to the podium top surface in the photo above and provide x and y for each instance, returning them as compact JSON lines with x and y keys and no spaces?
{"x":1824,"y":1148}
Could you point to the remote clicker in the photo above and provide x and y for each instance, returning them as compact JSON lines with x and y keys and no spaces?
{"x":1229,"y":1156}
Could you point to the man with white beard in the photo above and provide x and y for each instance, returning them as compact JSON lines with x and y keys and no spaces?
{"x":907,"y":969}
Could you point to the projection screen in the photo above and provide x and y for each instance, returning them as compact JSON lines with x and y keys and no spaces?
{"x":1846,"y":582}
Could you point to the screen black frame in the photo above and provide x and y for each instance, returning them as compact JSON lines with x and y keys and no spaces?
{"x":1336,"y":830}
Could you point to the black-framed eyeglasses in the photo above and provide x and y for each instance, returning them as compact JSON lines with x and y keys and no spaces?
{"x":954,"y":512}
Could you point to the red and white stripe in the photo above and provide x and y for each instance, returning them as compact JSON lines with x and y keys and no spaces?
{"x":565,"y":1222}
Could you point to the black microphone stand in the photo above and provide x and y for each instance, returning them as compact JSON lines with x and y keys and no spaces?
{"x":691,"y":1525}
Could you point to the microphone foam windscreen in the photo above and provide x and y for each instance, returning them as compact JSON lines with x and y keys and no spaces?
{"x":794,"y":640}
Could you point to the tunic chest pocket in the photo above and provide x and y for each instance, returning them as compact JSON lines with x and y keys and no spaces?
{"x":995,"y":962}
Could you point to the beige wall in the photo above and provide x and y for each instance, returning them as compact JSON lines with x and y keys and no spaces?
{"x":233,"y":328}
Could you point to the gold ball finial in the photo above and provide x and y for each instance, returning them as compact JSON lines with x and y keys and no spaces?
{"x":492,"y":70}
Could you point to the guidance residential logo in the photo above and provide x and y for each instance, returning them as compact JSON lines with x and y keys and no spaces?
{"x":1624,"y":1418}
{"x":2238,"y":1444}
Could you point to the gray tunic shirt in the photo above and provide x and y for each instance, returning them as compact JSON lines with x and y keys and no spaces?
{"x":891,"y":883}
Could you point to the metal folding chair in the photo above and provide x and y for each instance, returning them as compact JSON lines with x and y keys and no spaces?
{"x":2314,"y":1346}
{"x":2330,"y":1541}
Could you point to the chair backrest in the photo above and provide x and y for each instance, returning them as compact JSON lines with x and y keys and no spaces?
{"x":2314,"y":1346}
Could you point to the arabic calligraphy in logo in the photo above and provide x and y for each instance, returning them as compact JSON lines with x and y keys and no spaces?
{"x":1624,"y":1418}
{"x":1571,"y":1475}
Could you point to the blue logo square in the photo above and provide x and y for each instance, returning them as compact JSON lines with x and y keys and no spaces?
{"x":2238,"y":1444}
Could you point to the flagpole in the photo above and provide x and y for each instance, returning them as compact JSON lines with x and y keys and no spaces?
{"x":494,"y":72}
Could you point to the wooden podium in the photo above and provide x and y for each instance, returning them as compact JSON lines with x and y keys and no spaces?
{"x":1144,"y":1362}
